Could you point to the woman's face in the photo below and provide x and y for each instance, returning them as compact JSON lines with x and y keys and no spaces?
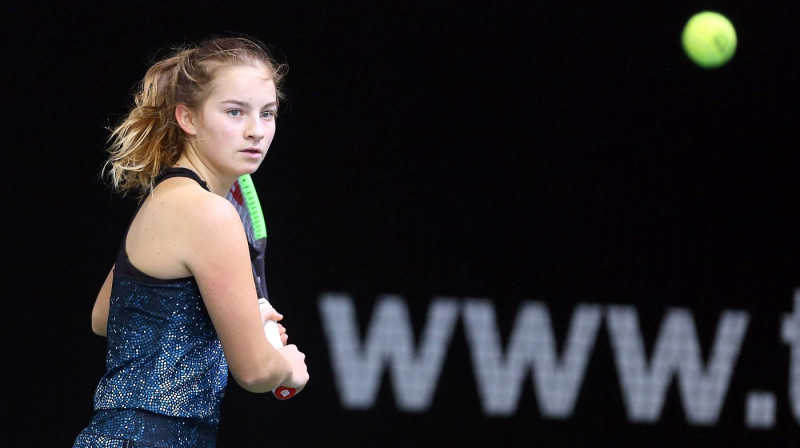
{"x":237,"y":121}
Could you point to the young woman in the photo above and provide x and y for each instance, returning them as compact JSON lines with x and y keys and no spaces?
{"x":179,"y":307}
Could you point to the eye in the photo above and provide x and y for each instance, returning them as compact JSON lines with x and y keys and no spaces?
{"x":269,"y":114}
{"x":235,"y":112}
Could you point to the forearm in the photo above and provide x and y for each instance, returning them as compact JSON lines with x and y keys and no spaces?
{"x":264,"y":375}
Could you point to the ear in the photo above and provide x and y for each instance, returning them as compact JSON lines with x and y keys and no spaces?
{"x":186,"y":119}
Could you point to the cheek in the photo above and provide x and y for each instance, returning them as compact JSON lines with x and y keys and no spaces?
{"x":270,"y":134}
{"x":222,"y":132}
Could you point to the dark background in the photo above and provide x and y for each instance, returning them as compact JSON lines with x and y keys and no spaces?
{"x":560,"y":151}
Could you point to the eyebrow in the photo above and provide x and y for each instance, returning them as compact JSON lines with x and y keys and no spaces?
{"x":247,"y":105}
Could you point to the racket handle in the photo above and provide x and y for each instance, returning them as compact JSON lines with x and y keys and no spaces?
{"x":283,"y":392}
{"x":274,"y":338}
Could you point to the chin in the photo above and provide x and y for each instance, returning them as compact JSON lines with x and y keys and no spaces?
{"x":249,"y":168}
{"x":252,"y":169}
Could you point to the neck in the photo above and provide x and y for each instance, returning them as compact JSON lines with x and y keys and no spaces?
{"x":216,"y":184}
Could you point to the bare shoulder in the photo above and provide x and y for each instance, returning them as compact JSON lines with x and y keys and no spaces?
{"x":208,"y":219}
{"x":215,"y":251}
{"x":208,"y":211}
{"x":179,"y":227}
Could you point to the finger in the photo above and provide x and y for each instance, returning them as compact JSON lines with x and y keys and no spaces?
{"x":274,"y":315}
{"x":282,"y":333}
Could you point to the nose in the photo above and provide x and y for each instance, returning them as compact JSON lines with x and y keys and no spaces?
{"x":255,"y":130}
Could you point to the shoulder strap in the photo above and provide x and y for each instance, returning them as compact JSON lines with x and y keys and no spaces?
{"x":179,"y":172}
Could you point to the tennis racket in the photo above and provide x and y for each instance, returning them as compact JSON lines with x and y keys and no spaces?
{"x":243,"y":196}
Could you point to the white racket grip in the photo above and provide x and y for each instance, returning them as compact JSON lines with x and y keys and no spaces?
{"x":274,"y":338}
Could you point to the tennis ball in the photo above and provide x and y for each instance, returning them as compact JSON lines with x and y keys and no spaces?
{"x":709,"y":39}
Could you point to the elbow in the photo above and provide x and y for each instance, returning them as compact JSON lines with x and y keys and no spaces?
{"x":100,"y":331}
{"x":99,"y":324}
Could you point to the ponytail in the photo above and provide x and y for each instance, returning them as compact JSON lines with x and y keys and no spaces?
{"x":149,"y":139}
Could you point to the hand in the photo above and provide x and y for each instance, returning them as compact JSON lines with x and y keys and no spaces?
{"x":298,"y":377}
{"x":283,"y":334}
{"x":271,"y":314}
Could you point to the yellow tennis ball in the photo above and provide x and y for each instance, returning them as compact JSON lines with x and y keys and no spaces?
{"x":709,"y":39}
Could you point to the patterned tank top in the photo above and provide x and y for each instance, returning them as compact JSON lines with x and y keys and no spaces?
{"x":163,"y":353}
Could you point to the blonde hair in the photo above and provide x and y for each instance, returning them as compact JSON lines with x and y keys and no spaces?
{"x":149,"y":139}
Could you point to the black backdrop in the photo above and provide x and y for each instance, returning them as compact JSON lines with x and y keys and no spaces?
{"x":552,"y":152}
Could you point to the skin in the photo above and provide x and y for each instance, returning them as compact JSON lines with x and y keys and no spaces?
{"x":183,"y":230}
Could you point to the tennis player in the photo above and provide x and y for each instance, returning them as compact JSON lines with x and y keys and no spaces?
{"x":179,"y":307}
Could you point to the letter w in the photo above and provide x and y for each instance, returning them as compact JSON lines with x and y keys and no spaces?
{"x":531,"y":345}
{"x":358,"y":366}
{"x":676,"y":353}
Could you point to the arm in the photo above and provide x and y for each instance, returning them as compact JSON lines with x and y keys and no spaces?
{"x":218,"y":257}
{"x":100,"y":309}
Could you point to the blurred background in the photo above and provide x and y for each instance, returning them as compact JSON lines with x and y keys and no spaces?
{"x":497,"y":224}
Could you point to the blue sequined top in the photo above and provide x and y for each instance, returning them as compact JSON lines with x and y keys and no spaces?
{"x":163,"y":355}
